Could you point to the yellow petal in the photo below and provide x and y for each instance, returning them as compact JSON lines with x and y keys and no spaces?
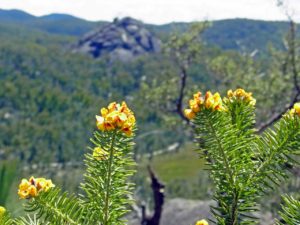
{"x":2,"y":211}
{"x":208,"y":95}
{"x":197,"y":95}
{"x":127,"y":131}
{"x":104,"y":112}
{"x":194,"y":105}
{"x":297,"y":108}
{"x":32,"y":191}
{"x":209,"y":102}
{"x":202,"y":222}
{"x":23,"y":194}
{"x":100,"y":123}
{"x":217,"y":97}
{"x":189,"y":114}
{"x":112,"y":107}
{"x":230,"y":93}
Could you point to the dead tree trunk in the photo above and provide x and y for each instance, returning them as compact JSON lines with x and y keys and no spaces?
{"x":158,"y":196}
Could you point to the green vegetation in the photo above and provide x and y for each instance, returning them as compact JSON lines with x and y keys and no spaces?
{"x":243,"y":165}
{"x":183,"y":164}
{"x":48,"y":96}
{"x":7,"y":176}
{"x":106,"y":188}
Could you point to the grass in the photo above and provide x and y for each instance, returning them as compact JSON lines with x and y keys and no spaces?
{"x":182,"y":171}
{"x":184,"y":164}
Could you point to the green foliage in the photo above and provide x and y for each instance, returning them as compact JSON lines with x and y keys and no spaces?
{"x":290,"y":213}
{"x":244,"y":165}
{"x":7,"y":174}
{"x":5,"y":219}
{"x":30,"y":221}
{"x":108,"y":195}
{"x":106,"y":186}
{"x":57,"y":208}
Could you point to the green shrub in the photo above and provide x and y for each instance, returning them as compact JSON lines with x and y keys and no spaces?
{"x":243,"y":164}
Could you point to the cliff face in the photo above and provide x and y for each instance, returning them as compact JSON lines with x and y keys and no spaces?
{"x":122,"y":39}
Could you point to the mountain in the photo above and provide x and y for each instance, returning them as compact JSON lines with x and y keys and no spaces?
{"x":235,"y":34}
{"x":244,"y":34}
{"x":15,"y":16}
{"x":62,"y":24}
{"x":58,"y":17}
{"x":122,"y":39}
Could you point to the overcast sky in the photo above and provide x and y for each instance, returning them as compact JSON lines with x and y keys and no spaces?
{"x":158,"y":11}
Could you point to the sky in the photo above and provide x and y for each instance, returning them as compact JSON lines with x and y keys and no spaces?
{"x":160,"y":11}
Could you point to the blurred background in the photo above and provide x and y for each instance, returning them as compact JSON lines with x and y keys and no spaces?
{"x":61,"y":61}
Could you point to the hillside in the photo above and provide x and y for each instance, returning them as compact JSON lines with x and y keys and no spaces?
{"x":53,"y":23}
{"x":35,"y":60}
{"x":235,"y":34}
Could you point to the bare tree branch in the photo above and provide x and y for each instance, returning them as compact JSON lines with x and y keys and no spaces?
{"x":179,"y":101}
{"x":159,"y":197}
{"x":277,"y":116}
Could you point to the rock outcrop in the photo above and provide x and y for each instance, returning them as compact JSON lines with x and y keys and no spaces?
{"x":122,"y":39}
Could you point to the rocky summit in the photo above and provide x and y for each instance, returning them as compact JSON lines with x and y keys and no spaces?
{"x":123,"y":39}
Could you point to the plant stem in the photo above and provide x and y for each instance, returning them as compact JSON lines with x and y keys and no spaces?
{"x":110,"y":163}
{"x":234,"y":206}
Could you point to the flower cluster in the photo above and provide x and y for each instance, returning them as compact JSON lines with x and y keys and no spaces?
{"x":116,"y":116}
{"x":100,"y":154}
{"x":210,"y":101}
{"x":32,"y":187}
{"x":201,"y":222}
{"x":2,"y":211}
{"x":295,"y":110}
{"x":240,"y":94}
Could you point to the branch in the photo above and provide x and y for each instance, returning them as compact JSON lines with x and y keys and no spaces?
{"x":158,"y":195}
{"x":292,"y":58}
{"x":277,"y":116}
{"x":179,"y":101}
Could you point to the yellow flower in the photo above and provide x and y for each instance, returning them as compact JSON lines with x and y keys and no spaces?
{"x":100,"y":154}
{"x":213,"y":101}
{"x":23,"y":191}
{"x":295,"y":110}
{"x":104,"y":111}
{"x":196,"y":102}
{"x":112,"y":107}
{"x":210,"y":101}
{"x":116,"y":116}
{"x":2,"y":211}
{"x":43,"y":184}
{"x":189,"y":114}
{"x":194,"y":105}
{"x":230,"y":93}
{"x":240,"y":94}
{"x":127,"y":131}
{"x":32,"y":187}
{"x":202,"y":222}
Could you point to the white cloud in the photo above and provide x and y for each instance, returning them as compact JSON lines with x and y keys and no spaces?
{"x":158,"y":11}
